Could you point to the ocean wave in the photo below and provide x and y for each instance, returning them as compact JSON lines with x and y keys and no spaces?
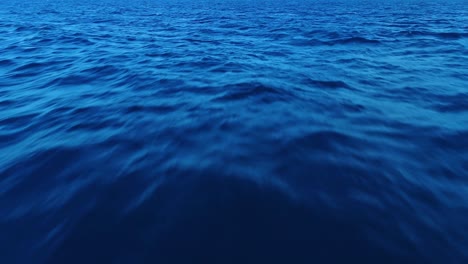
{"x":441,"y":35}
{"x":326,"y":84}
{"x":258,"y":91}
{"x":233,"y":132}
{"x":353,"y":40}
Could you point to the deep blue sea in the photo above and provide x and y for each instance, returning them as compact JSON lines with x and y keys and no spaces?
{"x":233,"y":131}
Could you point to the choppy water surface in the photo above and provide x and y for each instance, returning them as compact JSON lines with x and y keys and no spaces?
{"x":233,"y":132}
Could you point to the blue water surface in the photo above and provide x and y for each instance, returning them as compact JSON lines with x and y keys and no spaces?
{"x":233,"y":131}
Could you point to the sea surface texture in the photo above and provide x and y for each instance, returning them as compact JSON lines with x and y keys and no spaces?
{"x":233,"y":131}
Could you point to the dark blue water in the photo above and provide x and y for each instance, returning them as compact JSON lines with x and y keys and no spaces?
{"x":233,"y":131}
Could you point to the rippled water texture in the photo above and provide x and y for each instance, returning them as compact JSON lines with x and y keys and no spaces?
{"x":233,"y":131}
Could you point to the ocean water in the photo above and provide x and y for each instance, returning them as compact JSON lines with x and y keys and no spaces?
{"x":233,"y":131}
